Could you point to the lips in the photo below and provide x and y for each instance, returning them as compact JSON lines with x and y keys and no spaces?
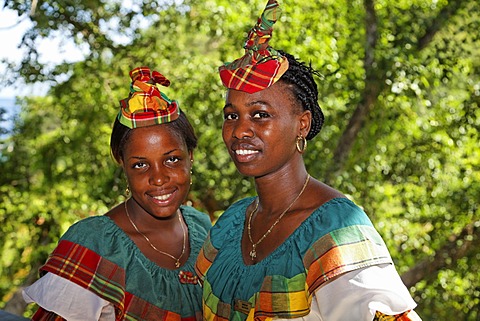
{"x":243,"y":152}
{"x":162,"y":198}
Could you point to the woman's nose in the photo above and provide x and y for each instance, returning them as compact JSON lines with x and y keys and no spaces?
{"x":242,"y":129}
{"x":158,"y":176}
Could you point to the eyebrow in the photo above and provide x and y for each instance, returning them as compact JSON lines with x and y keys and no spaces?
{"x":169,"y":152}
{"x":252,"y":103}
{"x":142,"y":158}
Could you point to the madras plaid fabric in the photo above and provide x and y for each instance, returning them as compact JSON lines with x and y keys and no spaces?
{"x":205,"y":259}
{"x":406,"y":316}
{"x":344,"y":250}
{"x":282,"y":298}
{"x":146,"y":104}
{"x":44,"y":315}
{"x":213,"y":307}
{"x":86,"y":268}
{"x":261,"y":66}
{"x":337,"y":252}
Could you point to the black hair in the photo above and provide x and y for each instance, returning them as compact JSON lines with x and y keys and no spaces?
{"x":121,"y":133}
{"x":305,"y":90}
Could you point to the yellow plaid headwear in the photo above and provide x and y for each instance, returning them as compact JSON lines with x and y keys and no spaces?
{"x":147,"y":105}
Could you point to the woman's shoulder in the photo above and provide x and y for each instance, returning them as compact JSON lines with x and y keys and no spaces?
{"x":333,"y":217}
{"x":95,"y":233}
{"x":197,"y":221}
{"x":231,"y":221}
{"x":333,"y":207}
{"x":91,"y":224}
{"x":347,"y":211}
{"x":239,"y":206}
{"x":199,"y":217}
{"x":235,"y":213}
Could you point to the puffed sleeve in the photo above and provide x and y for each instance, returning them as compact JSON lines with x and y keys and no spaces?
{"x":372,"y":293}
{"x":72,"y":302}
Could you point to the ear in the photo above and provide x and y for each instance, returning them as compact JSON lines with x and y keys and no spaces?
{"x":190,"y":154}
{"x":123,"y":165}
{"x":305,"y":122}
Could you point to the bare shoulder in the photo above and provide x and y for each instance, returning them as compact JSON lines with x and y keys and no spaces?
{"x":320,"y":193}
{"x":117,"y":214}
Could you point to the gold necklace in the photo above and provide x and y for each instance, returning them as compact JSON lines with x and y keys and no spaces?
{"x":253,"y":252}
{"x":177,"y":260}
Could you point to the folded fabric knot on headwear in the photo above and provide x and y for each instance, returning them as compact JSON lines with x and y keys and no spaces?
{"x":261,"y":66}
{"x":147,"y":105}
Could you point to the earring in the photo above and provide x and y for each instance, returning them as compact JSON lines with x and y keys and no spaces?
{"x":127,"y":191}
{"x":191,"y":171}
{"x":301,"y":144}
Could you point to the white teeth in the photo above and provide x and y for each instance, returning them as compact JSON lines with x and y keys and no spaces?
{"x":162,"y":197}
{"x":245,"y":152}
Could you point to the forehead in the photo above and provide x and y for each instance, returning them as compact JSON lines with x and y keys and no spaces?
{"x":279,"y":94}
{"x":154,"y":139}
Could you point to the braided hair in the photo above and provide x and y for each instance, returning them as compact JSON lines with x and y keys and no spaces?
{"x":305,"y":90}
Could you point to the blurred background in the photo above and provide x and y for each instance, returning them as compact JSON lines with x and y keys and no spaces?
{"x":400,"y":89}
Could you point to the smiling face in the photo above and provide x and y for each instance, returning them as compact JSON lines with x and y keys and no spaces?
{"x":157,"y":165}
{"x":260,"y":129}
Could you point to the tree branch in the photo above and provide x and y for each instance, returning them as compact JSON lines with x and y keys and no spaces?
{"x":375,"y":72}
{"x":369,"y":96}
{"x":440,"y":20}
{"x":458,"y":246}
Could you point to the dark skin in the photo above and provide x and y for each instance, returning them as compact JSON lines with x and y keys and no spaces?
{"x":260,"y":131}
{"x":157,"y":165}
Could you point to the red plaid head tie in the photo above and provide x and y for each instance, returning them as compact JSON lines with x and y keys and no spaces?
{"x":261,"y":66}
{"x":147,"y":105}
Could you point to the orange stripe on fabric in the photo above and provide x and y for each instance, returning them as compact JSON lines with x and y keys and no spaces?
{"x":342,"y":259}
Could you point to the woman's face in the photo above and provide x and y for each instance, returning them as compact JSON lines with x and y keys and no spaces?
{"x":157,"y":164}
{"x":260,"y":129}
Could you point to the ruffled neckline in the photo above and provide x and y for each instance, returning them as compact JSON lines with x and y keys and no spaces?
{"x":239,"y":225}
{"x":193,"y":238}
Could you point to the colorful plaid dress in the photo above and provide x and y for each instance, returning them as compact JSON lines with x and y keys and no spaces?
{"x":98,"y":256}
{"x":336,"y":243}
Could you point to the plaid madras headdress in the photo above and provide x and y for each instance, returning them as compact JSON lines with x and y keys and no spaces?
{"x":147,"y":105}
{"x":261,"y":66}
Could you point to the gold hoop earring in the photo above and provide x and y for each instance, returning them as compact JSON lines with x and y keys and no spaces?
{"x":301,"y":144}
{"x":191,"y":177}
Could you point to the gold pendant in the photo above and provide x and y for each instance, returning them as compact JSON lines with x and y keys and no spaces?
{"x":253,"y":253}
{"x":177,"y":264}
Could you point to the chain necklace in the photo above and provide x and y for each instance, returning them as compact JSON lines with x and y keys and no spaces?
{"x":177,"y":260}
{"x":253,"y":252}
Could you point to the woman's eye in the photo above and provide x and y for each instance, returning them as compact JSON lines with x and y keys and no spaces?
{"x":229,"y":116}
{"x":139,"y":165}
{"x":261,"y":114}
{"x":173,"y":159}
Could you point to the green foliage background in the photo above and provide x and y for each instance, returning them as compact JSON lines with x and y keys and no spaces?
{"x":414,"y":166}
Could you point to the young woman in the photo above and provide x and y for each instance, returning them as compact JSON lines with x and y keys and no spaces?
{"x":300,"y":249}
{"x":136,"y":262}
